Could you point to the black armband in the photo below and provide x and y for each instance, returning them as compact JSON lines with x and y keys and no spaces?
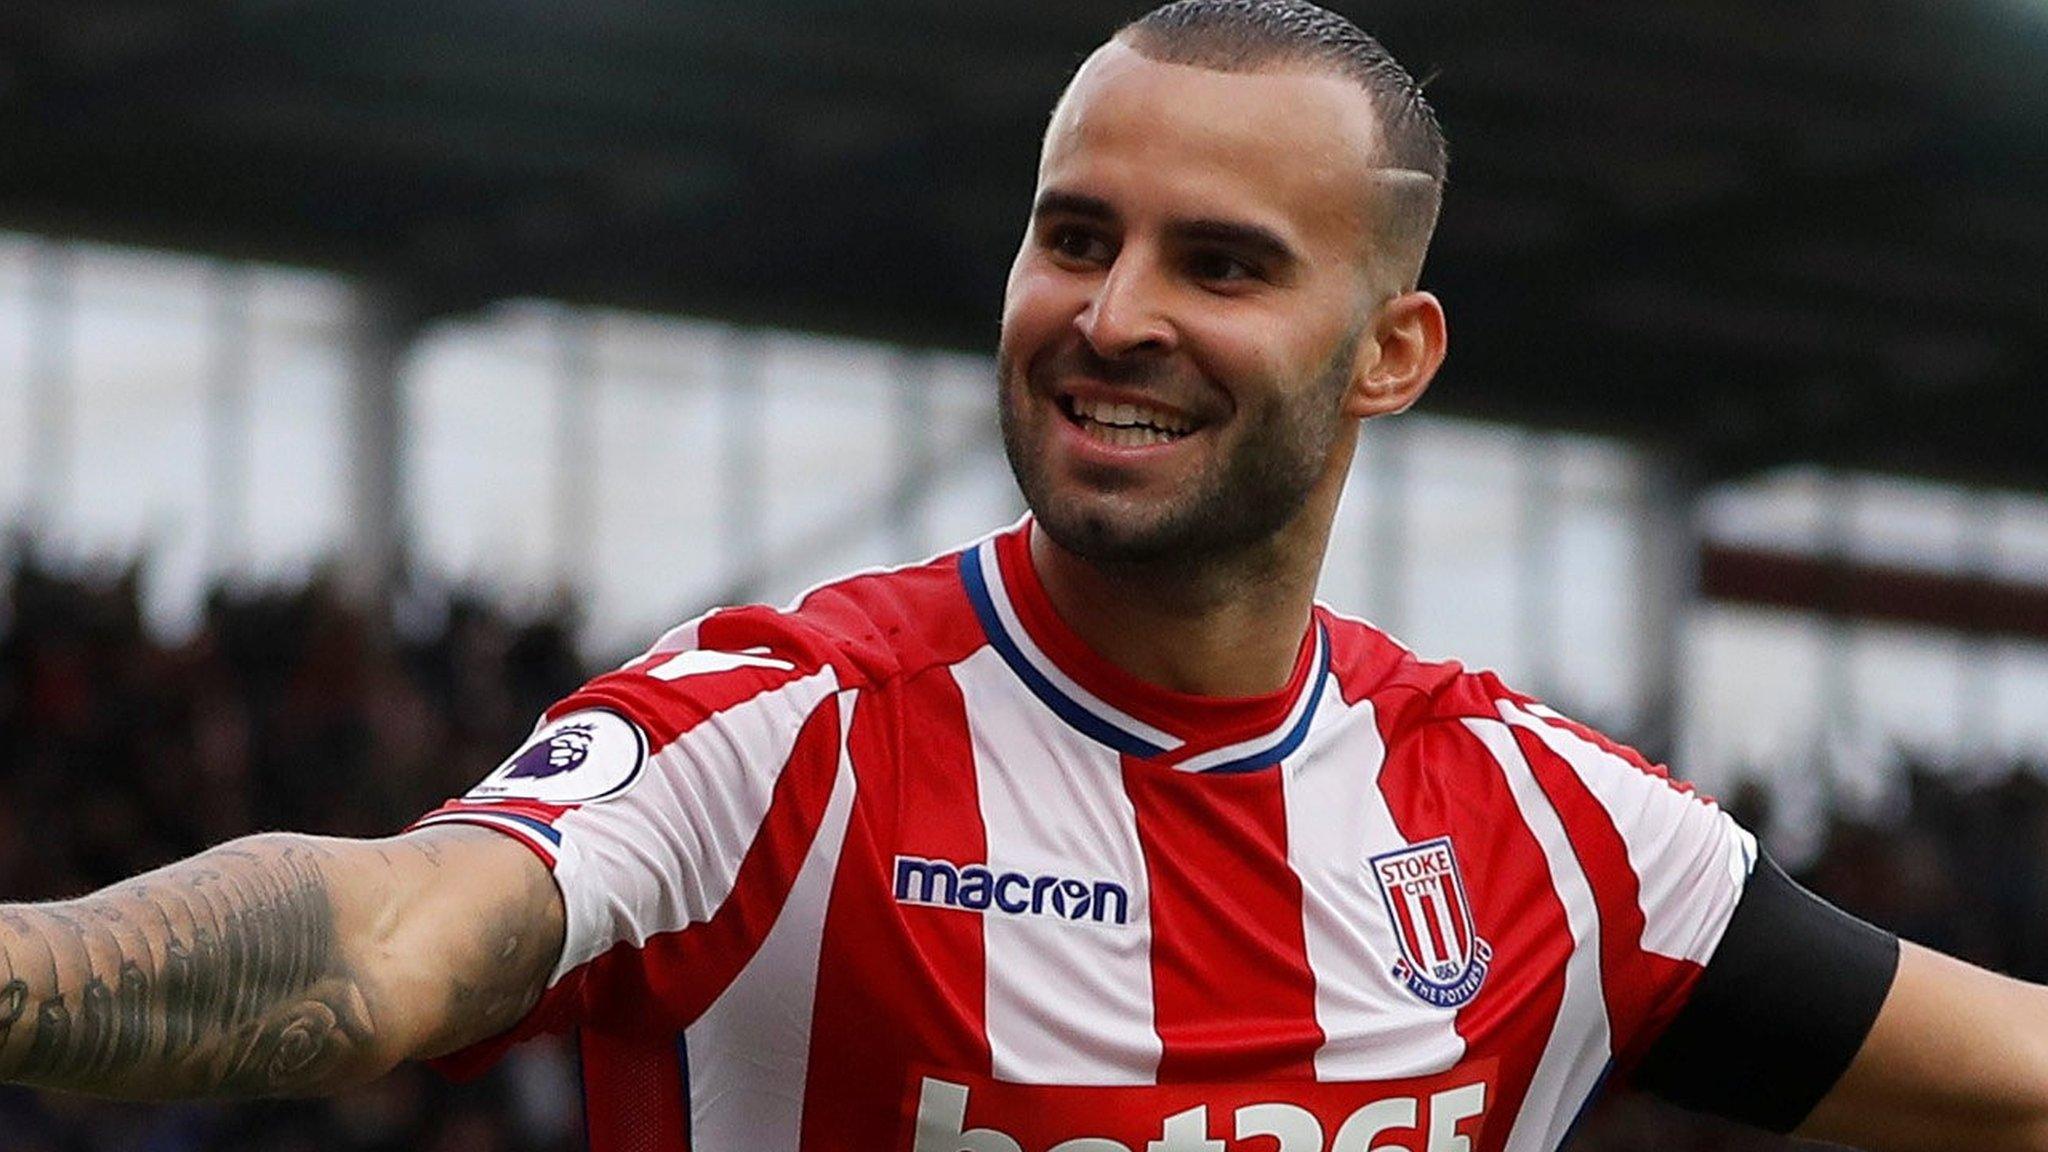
{"x":1781,"y":1010}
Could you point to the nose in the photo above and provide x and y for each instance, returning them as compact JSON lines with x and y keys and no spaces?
{"x":1127,"y":314}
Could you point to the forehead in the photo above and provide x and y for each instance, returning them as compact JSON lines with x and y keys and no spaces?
{"x":1297,"y":144}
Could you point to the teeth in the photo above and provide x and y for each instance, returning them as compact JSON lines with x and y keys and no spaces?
{"x":1134,"y":436}
{"x":1127,"y":417}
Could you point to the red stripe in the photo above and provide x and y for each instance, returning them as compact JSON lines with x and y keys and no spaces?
{"x":545,"y":813}
{"x":1436,"y":928}
{"x":668,"y":982}
{"x":1608,"y":745}
{"x":633,"y":1094}
{"x":1439,"y":780}
{"x":898,"y":984}
{"x":1643,"y":990}
{"x":1406,"y":918}
{"x":1232,"y":991}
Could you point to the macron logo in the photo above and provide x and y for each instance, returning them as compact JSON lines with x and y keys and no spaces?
{"x":974,"y":888}
{"x":705,"y":661}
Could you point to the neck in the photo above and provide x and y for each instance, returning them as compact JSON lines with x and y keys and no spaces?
{"x":1218,"y":626}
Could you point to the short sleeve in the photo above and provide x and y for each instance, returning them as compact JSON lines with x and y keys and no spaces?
{"x":1667,"y":867}
{"x":1786,"y":1004}
{"x":674,"y":800}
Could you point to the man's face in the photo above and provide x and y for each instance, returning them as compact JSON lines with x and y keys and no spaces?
{"x":1184,"y":317}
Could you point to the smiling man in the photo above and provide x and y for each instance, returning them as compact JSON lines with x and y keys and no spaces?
{"x":1216,"y":289}
{"x":1099,"y":835}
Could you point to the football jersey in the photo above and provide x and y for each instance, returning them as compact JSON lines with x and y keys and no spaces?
{"x":908,"y":866}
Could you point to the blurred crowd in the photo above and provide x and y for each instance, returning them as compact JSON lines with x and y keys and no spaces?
{"x":286,"y":709}
{"x":291,"y":709}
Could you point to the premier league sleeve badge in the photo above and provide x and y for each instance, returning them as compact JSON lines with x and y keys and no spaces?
{"x":580,"y":758}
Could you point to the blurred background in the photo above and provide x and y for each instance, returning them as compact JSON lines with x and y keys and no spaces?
{"x":372,"y":372}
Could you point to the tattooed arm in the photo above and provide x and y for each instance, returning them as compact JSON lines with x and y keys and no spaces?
{"x":277,"y":965}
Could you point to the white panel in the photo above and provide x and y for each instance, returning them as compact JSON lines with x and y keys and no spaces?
{"x":665,"y":854}
{"x":1752,"y":697}
{"x":1460,"y":562}
{"x":978,"y":494}
{"x":1691,"y":860}
{"x":138,"y":360}
{"x":1915,"y":523}
{"x":1577,"y":1053}
{"x":1336,"y":820}
{"x":2019,"y":537}
{"x":481,"y":449}
{"x":829,"y":432}
{"x":1068,"y":1003}
{"x":2022,"y":689}
{"x":295,"y":480}
{"x":18,"y":332}
{"x":653,"y":477}
{"x":750,"y":1050}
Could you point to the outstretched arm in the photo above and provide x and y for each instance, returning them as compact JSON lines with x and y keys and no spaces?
{"x":277,"y":965}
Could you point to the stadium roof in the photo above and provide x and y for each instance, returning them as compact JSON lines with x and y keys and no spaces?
{"x":1756,"y":231}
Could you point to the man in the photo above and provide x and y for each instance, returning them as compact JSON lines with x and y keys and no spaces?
{"x":1099,"y":834}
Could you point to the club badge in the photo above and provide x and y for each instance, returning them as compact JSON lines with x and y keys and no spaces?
{"x":1443,"y":960}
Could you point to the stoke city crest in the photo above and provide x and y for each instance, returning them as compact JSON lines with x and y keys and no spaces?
{"x":1443,"y":961}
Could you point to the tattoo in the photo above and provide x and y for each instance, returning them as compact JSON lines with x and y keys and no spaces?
{"x":221,"y":977}
{"x":13,"y":999}
{"x":52,"y":1037}
{"x":228,"y":975}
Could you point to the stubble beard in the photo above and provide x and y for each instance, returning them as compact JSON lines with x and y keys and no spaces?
{"x":1234,"y":507}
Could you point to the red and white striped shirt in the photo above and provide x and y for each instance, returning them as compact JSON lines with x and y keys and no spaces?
{"x":908,"y":866}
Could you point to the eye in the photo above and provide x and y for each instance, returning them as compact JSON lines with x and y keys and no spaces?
{"x":1220,"y":267}
{"x":1078,"y":245}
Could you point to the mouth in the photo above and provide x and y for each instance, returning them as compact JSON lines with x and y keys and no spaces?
{"x":1125,"y":423}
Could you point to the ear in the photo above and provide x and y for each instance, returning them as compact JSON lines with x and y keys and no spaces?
{"x":1398,"y":356}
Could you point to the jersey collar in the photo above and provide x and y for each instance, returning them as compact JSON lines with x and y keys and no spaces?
{"x":1184,"y":731}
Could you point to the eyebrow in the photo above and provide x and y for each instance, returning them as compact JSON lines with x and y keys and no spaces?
{"x":1251,"y":238}
{"x":1057,"y":203}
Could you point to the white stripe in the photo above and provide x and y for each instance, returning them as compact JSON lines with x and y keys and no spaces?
{"x":1691,"y":859}
{"x":750,"y":1050}
{"x":1579,"y":1045}
{"x":1244,"y":748}
{"x":1373,"y":1028}
{"x":1446,"y":929}
{"x":1068,"y":1003}
{"x":1006,"y":613}
{"x":664,"y":854}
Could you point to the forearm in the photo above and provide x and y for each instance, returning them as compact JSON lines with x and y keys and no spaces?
{"x":220,"y":975}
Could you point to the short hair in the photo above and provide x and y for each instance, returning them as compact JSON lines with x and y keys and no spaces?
{"x":1263,"y":35}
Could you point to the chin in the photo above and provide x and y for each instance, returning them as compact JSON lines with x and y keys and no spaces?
{"x":1103,"y":532}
